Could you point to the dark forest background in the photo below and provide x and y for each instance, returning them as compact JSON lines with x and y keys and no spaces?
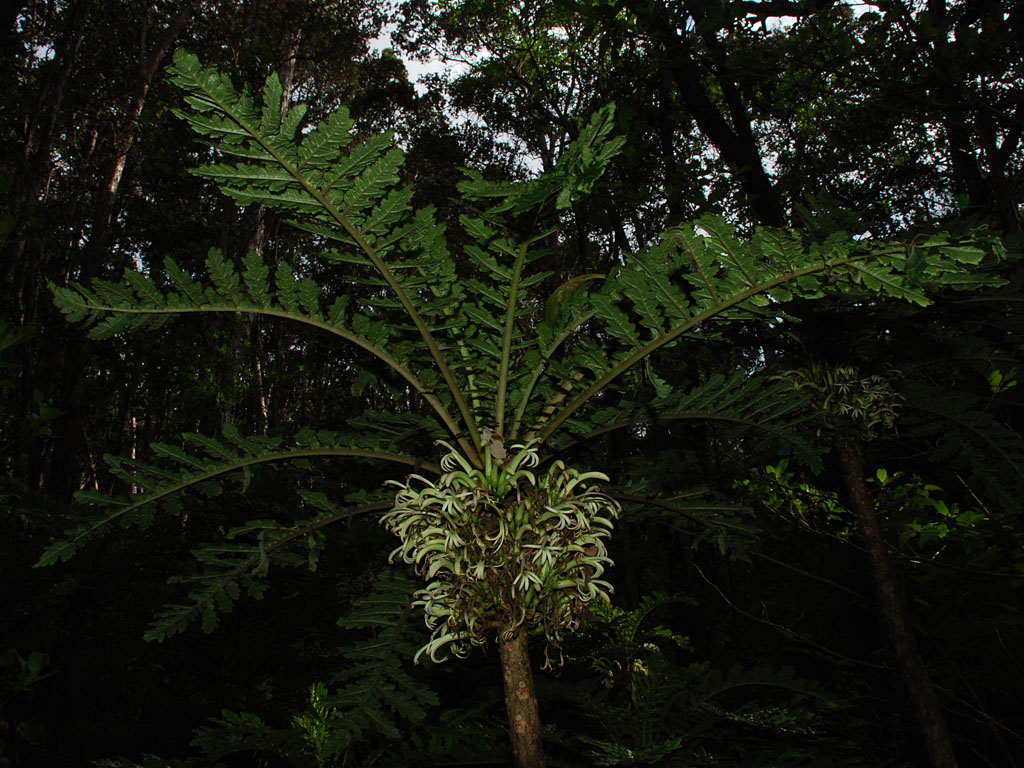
{"x":745,"y":629}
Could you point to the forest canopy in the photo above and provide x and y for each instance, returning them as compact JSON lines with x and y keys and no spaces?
{"x":637,"y":388}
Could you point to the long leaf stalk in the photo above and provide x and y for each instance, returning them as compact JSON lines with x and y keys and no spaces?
{"x":63,"y":548}
{"x":506,"y":339}
{"x":253,"y":309}
{"x":539,"y":371}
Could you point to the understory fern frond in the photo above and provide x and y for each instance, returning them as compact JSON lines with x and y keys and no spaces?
{"x":649,"y":705}
{"x":200,"y":467}
{"x":376,"y":691}
{"x":242,"y":561}
{"x":244,"y":732}
{"x":699,"y":516}
{"x":378,"y":700}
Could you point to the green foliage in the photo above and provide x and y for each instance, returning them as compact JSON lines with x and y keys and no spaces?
{"x":690,"y":412}
{"x":986,"y":453}
{"x":778,"y":490}
{"x":348,"y":200}
{"x":700,"y":277}
{"x":460,"y":733}
{"x":231,"y":567}
{"x":699,"y":709}
{"x":19,"y":674}
{"x":495,"y":351}
{"x":624,"y":638}
{"x":316,"y":727}
{"x":376,"y":692}
{"x":374,"y":699}
{"x":1002,"y":381}
{"x":745,"y":406}
{"x":244,"y":732}
{"x":651,"y":709}
{"x":477,"y":348}
{"x":328,"y":334}
{"x":928,"y":521}
{"x":199,"y":469}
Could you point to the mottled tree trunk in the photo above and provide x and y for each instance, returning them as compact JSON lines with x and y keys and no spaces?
{"x":894,"y":608}
{"x":520,"y":699}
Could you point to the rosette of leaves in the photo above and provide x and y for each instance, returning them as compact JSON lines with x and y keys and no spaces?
{"x":845,"y":396}
{"x":503,"y":546}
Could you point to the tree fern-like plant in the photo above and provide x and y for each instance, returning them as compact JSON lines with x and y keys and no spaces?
{"x":508,"y":535}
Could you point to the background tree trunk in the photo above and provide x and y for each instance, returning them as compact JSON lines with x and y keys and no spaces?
{"x":123,"y":141}
{"x":894,"y":608}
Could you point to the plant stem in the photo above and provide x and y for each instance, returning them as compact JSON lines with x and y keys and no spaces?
{"x":520,"y":699}
{"x":506,"y":338}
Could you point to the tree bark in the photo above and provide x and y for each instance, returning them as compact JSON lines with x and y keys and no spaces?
{"x":107,"y":195}
{"x":31,"y":178}
{"x":735,"y":143}
{"x":894,"y":608}
{"x":520,"y":699}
